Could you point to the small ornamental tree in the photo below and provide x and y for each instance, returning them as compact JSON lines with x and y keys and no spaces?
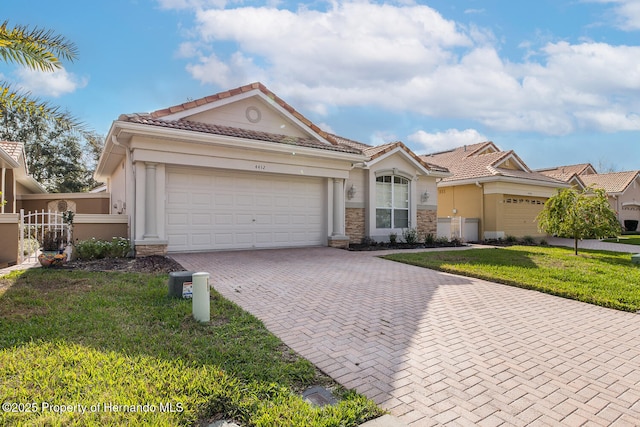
{"x":579,"y":215}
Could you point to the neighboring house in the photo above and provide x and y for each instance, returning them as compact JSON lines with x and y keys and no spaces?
{"x":22,"y":192}
{"x":623,"y":192}
{"x":14,"y":176}
{"x":243,"y":169}
{"x":571,"y":174}
{"x":493,"y":187}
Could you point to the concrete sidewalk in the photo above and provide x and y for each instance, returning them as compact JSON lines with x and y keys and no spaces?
{"x":595,"y":245}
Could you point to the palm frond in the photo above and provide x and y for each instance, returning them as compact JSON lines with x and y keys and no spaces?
{"x":35,"y":48}
{"x":15,"y":100}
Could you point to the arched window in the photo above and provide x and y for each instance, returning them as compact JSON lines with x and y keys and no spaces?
{"x":392,"y":202}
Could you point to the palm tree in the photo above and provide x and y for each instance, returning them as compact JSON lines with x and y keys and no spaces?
{"x":40,"y":50}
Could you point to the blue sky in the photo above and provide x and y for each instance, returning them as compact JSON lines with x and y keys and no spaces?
{"x":556,"y":81}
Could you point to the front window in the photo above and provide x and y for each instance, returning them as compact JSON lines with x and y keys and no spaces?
{"x":392,"y":202}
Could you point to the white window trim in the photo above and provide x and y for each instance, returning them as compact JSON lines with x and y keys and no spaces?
{"x":393,"y":174}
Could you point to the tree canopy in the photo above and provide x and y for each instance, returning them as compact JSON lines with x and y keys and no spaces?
{"x":37,"y":49}
{"x":61,"y":153}
{"x":59,"y":158}
{"x":579,"y":215}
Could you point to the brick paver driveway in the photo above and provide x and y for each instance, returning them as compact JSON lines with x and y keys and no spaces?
{"x":435,"y":348}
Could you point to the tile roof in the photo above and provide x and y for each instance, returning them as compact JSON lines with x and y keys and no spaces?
{"x":187,"y":125}
{"x":237,"y":91}
{"x":616,"y":182}
{"x":466,"y":164}
{"x":338,"y":143}
{"x":449,"y":157}
{"x":13,"y":149}
{"x":566,"y":173}
{"x":378,"y":150}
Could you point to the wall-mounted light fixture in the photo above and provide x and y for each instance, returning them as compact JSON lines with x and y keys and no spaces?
{"x":351,"y":192}
{"x":425,"y":196}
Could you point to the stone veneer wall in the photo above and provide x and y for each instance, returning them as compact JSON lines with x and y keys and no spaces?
{"x":148,"y":250}
{"x":427,"y":222}
{"x":354,"y":224}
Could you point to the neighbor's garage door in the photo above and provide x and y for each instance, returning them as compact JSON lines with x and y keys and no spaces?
{"x":210,"y":209}
{"x":520,"y":215}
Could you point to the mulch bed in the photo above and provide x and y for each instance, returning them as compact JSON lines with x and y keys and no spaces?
{"x":149,"y":264}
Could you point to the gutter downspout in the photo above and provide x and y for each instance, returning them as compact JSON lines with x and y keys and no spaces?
{"x":481,"y":230}
{"x":2,"y":190}
{"x":130,"y":193}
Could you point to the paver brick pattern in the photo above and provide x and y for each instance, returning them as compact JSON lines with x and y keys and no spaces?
{"x":435,"y":348}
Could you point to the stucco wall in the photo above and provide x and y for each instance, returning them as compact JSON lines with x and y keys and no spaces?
{"x":100,"y":231}
{"x":627,"y":205}
{"x":86,"y":203}
{"x":466,"y":200}
{"x":8,"y":192}
{"x":493,"y":216}
{"x":118,"y":190}
{"x":9,"y":246}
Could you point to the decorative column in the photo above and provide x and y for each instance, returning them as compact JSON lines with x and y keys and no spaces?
{"x":338,"y":238}
{"x":338,"y":207}
{"x":150,"y":214}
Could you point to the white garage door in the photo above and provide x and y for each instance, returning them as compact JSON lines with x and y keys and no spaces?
{"x":207,"y":209}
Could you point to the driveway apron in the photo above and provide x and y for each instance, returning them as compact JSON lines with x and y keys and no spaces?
{"x":435,"y":348}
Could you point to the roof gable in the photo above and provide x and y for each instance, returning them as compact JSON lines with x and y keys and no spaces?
{"x":486,"y":162}
{"x":11,"y":150}
{"x":12,"y":156}
{"x":567,"y":173}
{"x":379,"y":152}
{"x":252,"y":106}
{"x":612,"y":183}
{"x":446,"y":158}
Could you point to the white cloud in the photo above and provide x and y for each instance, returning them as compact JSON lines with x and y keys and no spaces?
{"x":627,"y":13}
{"x":410,"y":58}
{"x":235,"y":71}
{"x":191,"y":4}
{"x":441,"y":141}
{"x":54,"y":84}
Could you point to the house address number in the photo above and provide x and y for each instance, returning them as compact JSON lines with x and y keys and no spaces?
{"x":260,"y":167}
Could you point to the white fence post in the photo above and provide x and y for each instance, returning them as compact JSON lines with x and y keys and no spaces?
{"x":21,"y":231}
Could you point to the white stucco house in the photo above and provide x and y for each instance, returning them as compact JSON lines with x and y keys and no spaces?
{"x":242,"y":169}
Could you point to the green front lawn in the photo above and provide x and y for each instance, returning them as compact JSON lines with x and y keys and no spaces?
{"x":627,"y":240}
{"x":82,"y":348}
{"x":598,"y":277}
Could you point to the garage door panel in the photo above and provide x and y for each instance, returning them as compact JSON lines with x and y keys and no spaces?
{"x":281,"y":219}
{"x":201,"y":239}
{"x":179,"y":241}
{"x":201,"y":219}
{"x":223,"y":200}
{"x":244,"y":238}
{"x":223,"y":239}
{"x":244,"y":219}
{"x":224,"y":219}
{"x":244,"y":201}
{"x":263,"y":201}
{"x":177,"y":198}
{"x":264,"y":237}
{"x":209,"y":209}
{"x":201,"y":199}
{"x":262,"y":219}
{"x":177,"y":218}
